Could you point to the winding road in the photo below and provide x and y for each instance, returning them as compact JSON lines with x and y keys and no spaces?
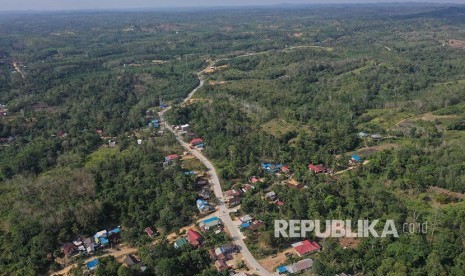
{"x":236,"y":236}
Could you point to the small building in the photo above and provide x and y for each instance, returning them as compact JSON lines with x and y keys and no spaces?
{"x":139,"y":141}
{"x":171,"y":157}
{"x":306,"y":247}
{"x":179,"y":243}
{"x":285,"y":170}
{"x":221,"y":265}
{"x":355,"y":159}
{"x":69,"y":249}
{"x":362,"y":134}
{"x":149,"y":232}
{"x":196,"y":141}
{"x":281,"y":269}
{"x":270,"y":195}
{"x":317,"y":168}
{"x":203,"y":205}
{"x":194,"y":237}
{"x":92,"y":265}
{"x":376,"y":137}
{"x":111,"y":143}
{"x":254,"y":179}
{"x":205,"y":193}
{"x":223,"y":252}
{"x":130,"y":260}
{"x":246,"y":188}
{"x":210,"y":223}
{"x":89,"y":245}
{"x":299,"y":266}
{"x":234,"y":201}
{"x":271,"y":168}
{"x":185,"y":127}
{"x":255,"y":225}
{"x":246,"y":218}
{"x":232,"y":193}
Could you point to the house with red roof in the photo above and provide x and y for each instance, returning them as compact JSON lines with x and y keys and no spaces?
{"x":149,"y":231}
{"x":171,"y":157}
{"x":317,"y":168}
{"x":196,"y":141}
{"x":285,"y":169}
{"x":306,"y":247}
{"x":194,"y":237}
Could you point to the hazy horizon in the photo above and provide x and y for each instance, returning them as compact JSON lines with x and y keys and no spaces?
{"x":55,"y":5}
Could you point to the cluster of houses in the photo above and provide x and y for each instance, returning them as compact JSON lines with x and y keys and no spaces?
{"x":193,"y":238}
{"x":89,"y":245}
{"x":302,"y":248}
{"x":316,"y":169}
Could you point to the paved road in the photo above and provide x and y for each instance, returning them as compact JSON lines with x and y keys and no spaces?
{"x":223,"y":210}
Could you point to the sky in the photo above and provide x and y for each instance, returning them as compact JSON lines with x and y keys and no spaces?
{"x":22,"y":5}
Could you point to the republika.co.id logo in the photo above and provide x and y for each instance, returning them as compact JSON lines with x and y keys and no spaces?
{"x":343,"y":228}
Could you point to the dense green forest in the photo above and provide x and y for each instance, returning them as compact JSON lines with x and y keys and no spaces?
{"x":293,"y":85}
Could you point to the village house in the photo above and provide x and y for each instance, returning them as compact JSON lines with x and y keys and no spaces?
{"x":204,"y":193}
{"x":101,"y":238}
{"x":234,"y":201}
{"x":185,"y":127}
{"x":89,"y":245}
{"x":130,"y":260}
{"x":296,"y":267}
{"x":196,"y":142}
{"x":317,"y":168}
{"x":224,"y":252}
{"x":194,"y":237}
{"x":271,"y":168}
{"x":355,"y":159}
{"x":246,"y":188}
{"x":271,"y":196}
{"x":203,"y":205}
{"x":254,"y":179}
{"x":246,"y":218}
{"x":171,"y":157}
{"x":285,"y":170}
{"x":149,"y":232}
{"x":221,"y":265}
{"x":179,"y":243}
{"x":232,"y":193}
{"x":111,"y":143}
{"x":69,"y":249}
{"x":210,"y":223}
{"x":306,"y":247}
{"x":92,"y":265}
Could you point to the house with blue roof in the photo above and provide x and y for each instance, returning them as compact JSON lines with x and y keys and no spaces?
{"x":92,"y":265}
{"x":281,"y":269}
{"x":355,"y":159}
{"x":209,"y":223}
{"x":271,"y":168}
{"x":203,"y":205}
